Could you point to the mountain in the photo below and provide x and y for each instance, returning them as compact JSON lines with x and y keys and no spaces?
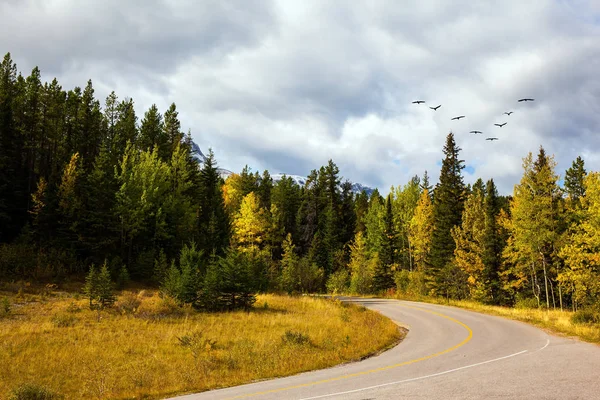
{"x":201,"y":158}
{"x":300,"y":180}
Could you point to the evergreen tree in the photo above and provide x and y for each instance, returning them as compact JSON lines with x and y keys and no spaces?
{"x":151,"y":131}
{"x":447,"y":210}
{"x":172,"y":136}
{"x":265,"y":188}
{"x":213,"y":221}
{"x":361,"y":206}
{"x":493,"y":244}
{"x":574,"y":180}
{"x":382,"y":278}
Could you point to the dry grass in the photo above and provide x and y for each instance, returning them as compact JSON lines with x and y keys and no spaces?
{"x":555,"y":321}
{"x":149,"y":348}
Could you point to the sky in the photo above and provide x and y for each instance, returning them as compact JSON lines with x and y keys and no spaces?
{"x":286,"y":85}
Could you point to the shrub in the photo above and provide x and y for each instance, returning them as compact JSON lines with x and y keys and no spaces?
{"x":128,"y":303}
{"x":526,"y":302}
{"x":293,"y":337}
{"x":33,"y":391}
{"x":586,"y":316}
{"x":99,"y":288}
{"x":62,"y":320}
{"x":123,"y":278}
{"x":338,"y":282}
{"x":4,"y":307}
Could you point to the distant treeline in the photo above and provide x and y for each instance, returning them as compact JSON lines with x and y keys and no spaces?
{"x":83,"y":184}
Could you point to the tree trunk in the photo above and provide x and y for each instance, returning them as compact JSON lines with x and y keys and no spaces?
{"x":545,"y":281}
{"x":560,"y":297}
{"x":534,"y":283}
{"x":553,"y":299}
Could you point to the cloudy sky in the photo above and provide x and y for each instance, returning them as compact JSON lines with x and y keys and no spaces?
{"x":286,"y":85}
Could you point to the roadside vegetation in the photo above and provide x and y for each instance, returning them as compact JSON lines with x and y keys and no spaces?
{"x":583,"y":324}
{"x":147,"y":346}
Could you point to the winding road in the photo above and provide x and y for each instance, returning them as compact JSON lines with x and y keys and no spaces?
{"x":448,"y":353}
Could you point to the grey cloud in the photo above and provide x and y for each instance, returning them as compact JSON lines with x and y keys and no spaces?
{"x":287,"y":85}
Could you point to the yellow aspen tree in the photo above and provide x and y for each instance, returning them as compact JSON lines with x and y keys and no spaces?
{"x":420,"y":228}
{"x":470,"y":241}
{"x":582,"y":254}
{"x":251,"y":225}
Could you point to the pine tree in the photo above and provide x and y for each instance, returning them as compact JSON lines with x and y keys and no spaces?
{"x":382,"y":275}
{"x":172,"y":136}
{"x":214,"y":227}
{"x":493,"y":244}
{"x":447,"y":210}
{"x":361,"y":206}
{"x":574,"y":179}
{"x":265,"y":189}
{"x":151,"y":130}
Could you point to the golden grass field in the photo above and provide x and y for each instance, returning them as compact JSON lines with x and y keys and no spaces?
{"x":555,"y":321}
{"x":149,"y":348}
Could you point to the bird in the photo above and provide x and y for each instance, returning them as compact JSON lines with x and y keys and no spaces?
{"x":435,"y":108}
{"x":475,"y":132}
{"x":459,"y":117}
{"x":418,"y":102}
{"x":525,"y":100}
{"x":500,"y":125}
{"x":492,"y":138}
{"x":509,"y":112}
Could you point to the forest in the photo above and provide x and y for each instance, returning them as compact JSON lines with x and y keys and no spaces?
{"x":87,"y":184}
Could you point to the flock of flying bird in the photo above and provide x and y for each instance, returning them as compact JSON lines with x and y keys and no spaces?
{"x":462,"y":116}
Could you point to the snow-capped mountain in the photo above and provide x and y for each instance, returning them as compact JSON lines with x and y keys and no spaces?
{"x":300,"y":180}
{"x":201,"y":158}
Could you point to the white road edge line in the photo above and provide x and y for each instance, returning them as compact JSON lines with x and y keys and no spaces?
{"x":414,"y":379}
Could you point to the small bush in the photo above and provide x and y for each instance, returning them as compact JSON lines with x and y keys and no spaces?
{"x":524,"y":303}
{"x":123,"y":278}
{"x":63,"y":320}
{"x":73,"y":307}
{"x":338,"y":282}
{"x":32,"y":391}
{"x":4,"y":307}
{"x":128,"y":303}
{"x":586,"y":316}
{"x":292,"y":337}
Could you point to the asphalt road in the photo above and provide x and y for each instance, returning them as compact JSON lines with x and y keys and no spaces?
{"x":448,"y":354}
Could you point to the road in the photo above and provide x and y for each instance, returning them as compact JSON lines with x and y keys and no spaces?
{"x":448,"y":353}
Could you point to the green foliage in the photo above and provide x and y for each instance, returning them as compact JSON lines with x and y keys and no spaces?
{"x":338,"y":282}
{"x":295,"y":338}
{"x":447,"y":213}
{"x":228,"y":284}
{"x":5,"y":307}
{"x":123,"y":278}
{"x":99,"y":288}
{"x":587,"y":315}
{"x":33,"y":391}
{"x":411,"y":283}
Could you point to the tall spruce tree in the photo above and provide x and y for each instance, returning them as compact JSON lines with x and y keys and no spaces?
{"x":382,"y":278}
{"x":447,"y":210}
{"x":493,"y":244}
{"x":214,"y":225}
{"x":574,"y":179}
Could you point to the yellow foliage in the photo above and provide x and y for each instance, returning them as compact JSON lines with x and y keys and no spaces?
{"x":420,"y":229}
{"x":251,"y":225}
{"x":469,"y":239}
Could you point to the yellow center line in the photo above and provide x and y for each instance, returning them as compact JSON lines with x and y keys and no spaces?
{"x":371,"y":371}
